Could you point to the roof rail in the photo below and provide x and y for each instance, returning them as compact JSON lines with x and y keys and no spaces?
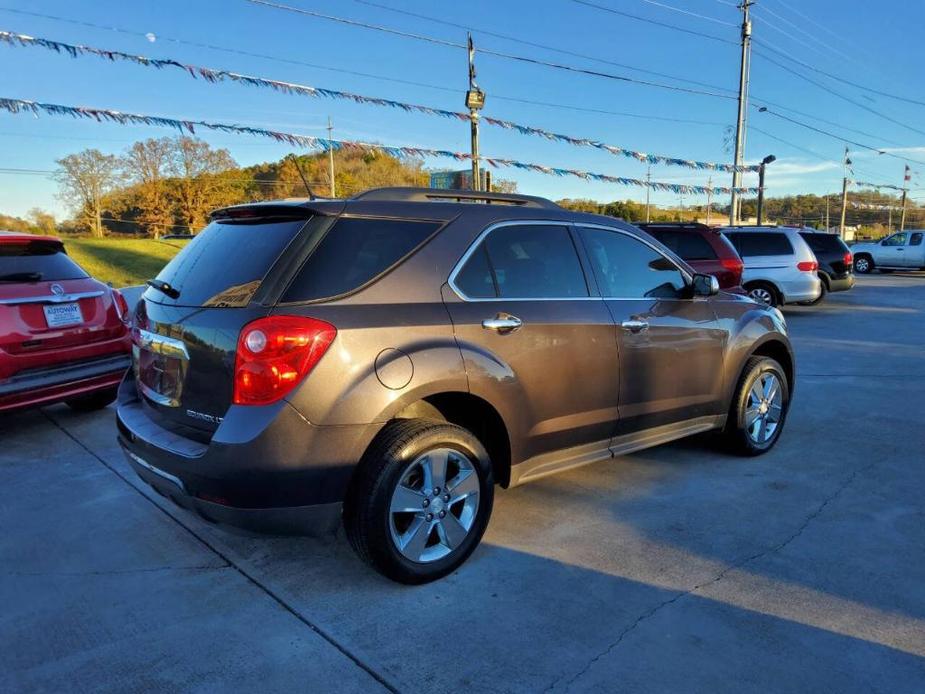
{"x":398,"y":194}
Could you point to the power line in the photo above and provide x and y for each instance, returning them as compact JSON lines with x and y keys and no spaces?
{"x":533,"y":44}
{"x":768,"y":47}
{"x":656,"y":22}
{"x":765,"y":8}
{"x":878,"y":150}
{"x":690,"y":14}
{"x":840,"y":95}
{"x":485,"y":51}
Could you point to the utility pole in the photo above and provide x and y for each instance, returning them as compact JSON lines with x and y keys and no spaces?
{"x":761,"y":168}
{"x":844,"y":196}
{"x":743,"y":108}
{"x":681,"y":209}
{"x":475,"y":100}
{"x":331,"y":157}
{"x":648,"y":188}
{"x":709,"y":198}
{"x":827,"y":227}
{"x":907,"y":176}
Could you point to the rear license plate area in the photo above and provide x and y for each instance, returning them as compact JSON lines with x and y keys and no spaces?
{"x":63,"y":315}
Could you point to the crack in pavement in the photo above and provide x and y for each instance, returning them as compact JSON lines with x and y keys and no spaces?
{"x":119,"y":572}
{"x":716,"y":579}
{"x":249,"y":577}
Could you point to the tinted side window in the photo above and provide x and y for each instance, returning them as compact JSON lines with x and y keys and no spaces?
{"x":895,"y":240}
{"x":476,"y":279}
{"x":529,"y":261}
{"x":37,"y":261}
{"x":916,"y":239}
{"x":354,"y":251}
{"x":628,"y":268}
{"x":824,"y":243}
{"x":761,"y":244}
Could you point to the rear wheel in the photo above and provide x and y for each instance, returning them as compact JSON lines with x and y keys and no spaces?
{"x":759,"y":408}
{"x":763,"y":292}
{"x":863,"y":264}
{"x":421,"y":500}
{"x":93,"y":401}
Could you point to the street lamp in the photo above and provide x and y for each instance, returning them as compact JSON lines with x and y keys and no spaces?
{"x":764,"y":162}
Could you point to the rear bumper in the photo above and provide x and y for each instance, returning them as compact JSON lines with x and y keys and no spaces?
{"x":62,"y":382}
{"x":806,"y":288}
{"x":266,"y":469}
{"x":841,"y":284}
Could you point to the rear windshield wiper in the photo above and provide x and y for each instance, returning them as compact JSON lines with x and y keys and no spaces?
{"x":21,"y":277}
{"x":164,"y":288}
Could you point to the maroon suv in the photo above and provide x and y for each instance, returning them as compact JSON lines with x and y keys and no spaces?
{"x":389,"y":358}
{"x":704,"y":248}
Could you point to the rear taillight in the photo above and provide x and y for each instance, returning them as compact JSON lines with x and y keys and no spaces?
{"x":849,"y":259}
{"x":808,"y":266}
{"x":121,"y":305}
{"x":275,"y":354}
{"x":733,"y":264}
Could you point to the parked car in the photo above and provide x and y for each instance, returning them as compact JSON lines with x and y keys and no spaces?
{"x":903,"y":250}
{"x":387,"y":359}
{"x":835,"y":261}
{"x":63,"y":335}
{"x":704,"y":248}
{"x":780,"y":268}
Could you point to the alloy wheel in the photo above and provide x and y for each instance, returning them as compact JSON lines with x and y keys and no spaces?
{"x":434,"y":505}
{"x":862,"y":265}
{"x":764,"y":408}
{"x":763,"y":295}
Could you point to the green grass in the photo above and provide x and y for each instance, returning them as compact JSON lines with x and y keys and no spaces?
{"x":123,"y":262}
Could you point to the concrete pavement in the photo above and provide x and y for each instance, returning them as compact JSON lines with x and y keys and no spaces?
{"x":676,"y":569}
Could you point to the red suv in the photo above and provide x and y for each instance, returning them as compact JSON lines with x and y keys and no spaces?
{"x":63,"y":334}
{"x":704,"y":248}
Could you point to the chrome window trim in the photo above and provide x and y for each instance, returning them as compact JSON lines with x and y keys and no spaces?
{"x":52,"y":298}
{"x":507,"y":223}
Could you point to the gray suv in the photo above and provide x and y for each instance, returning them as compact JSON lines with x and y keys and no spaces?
{"x":385,"y":361}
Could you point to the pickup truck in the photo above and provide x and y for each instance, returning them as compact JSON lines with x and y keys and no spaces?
{"x":904,"y":250}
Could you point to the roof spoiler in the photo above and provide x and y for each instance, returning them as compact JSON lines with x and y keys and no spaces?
{"x":449,"y":195}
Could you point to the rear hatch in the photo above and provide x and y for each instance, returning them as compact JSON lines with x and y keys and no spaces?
{"x":49,"y":304}
{"x":831,"y":250}
{"x":185,"y":333}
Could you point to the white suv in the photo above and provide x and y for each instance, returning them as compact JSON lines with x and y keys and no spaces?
{"x":780,"y":268}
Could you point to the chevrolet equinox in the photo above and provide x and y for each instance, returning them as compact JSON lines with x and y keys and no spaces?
{"x":384,"y":361}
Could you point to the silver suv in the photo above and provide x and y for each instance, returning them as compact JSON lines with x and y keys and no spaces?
{"x":780,"y":267}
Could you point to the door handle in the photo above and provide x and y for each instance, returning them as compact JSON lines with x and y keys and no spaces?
{"x":502,"y":323}
{"x":635,"y":326}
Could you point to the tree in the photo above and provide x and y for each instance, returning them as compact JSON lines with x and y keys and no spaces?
{"x":85,"y":179}
{"x":44,"y":222}
{"x":206,"y":178}
{"x":147,"y":165}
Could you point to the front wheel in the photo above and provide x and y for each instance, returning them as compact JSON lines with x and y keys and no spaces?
{"x":759,"y":408}
{"x":420,"y":501}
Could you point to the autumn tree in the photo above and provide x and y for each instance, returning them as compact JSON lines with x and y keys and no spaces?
{"x":85,"y":179}
{"x":44,"y":222}
{"x":147,"y":165}
{"x":204,"y":178}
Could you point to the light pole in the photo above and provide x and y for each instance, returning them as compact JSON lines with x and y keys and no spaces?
{"x":475,"y":100}
{"x":743,"y":109}
{"x":764,"y":162}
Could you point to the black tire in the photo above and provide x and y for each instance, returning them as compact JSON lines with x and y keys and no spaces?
{"x":818,"y":300}
{"x":735,"y":434}
{"x":367,"y":516}
{"x":764,"y":292}
{"x":866,"y":264}
{"x":93,"y":401}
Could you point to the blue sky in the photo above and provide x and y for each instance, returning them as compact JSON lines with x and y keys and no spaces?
{"x":860,"y":41}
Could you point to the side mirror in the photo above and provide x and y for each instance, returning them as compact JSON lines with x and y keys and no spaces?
{"x":705,"y":285}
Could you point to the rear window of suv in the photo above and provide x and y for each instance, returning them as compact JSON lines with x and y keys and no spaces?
{"x":689,"y":245}
{"x":759,"y":243}
{"x":37,"y":261}
{"x":824,"y":243}
{"x":226,"y":262}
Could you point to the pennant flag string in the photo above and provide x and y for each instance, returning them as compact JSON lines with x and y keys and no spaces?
{"x":311,"y":142}
{"x":876,"y":185}
{"x":214,"y":75}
